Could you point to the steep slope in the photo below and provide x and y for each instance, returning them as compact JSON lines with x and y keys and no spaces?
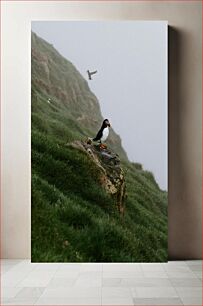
{"x":56,"y":78}
{"x":73,"y":217}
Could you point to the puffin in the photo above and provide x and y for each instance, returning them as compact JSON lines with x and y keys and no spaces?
{"x":90,"y":74}
{"x":103,"y":133}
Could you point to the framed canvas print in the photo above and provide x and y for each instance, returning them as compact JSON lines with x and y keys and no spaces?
{"x":99,"y":141}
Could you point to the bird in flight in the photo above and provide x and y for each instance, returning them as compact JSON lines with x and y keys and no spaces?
{"x":90,"y":74}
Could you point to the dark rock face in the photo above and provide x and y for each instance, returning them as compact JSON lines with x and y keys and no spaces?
{"x":112,"y":177}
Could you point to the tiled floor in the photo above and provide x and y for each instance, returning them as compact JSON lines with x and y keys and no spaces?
{"x":173,"y":283}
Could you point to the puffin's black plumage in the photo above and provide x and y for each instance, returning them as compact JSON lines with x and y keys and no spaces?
{"x":99,"y":135}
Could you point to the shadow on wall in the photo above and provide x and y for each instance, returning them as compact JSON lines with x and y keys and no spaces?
{"x":183,"y":232}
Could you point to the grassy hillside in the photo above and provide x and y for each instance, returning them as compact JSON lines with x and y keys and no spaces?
{"x":73,"y":218}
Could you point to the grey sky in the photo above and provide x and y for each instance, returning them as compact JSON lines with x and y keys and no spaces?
{"x":131,"y":83}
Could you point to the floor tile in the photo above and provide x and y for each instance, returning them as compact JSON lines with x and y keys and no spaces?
{"x":122,"y":274}
{"x":15,"y":275}
{"x":91,"y":267}
{"x":66,"y":274}
{"x":198,"y":274}
{"x":178,"y":274}
{"x":90,"y":275}
{"x":169,"y":283}
{"x":122,"y":267}
{"x":66,"y":267}
{"x":157,"y":301}
{"x":89,"y":279}
{"x":60,"y":282}
{"x":155,"y":274}
{"x":21,"y":301}
{"x":73,"y":292}
{"x":196,"y":268}
{"x":176,"y":263}
{"x":153,"y":292}
{"x":193,"y":262}
{"x":189,"y":291}
{"x":147,"y":282}
{"x":9,"y":292}
{"x":177,"y":268}
{"x":13,"y":262}
{"x":4,"y":301}
{"x":46,"y":267}
{"x":88,"y":282}
{"x":6,"y":268}
{"x":37,"y":279}
{"x":69,"y":301}
{"x":192,"y":301}
{"x":30,"y":292}
{"x":117,"y":301}
{"x":152,"y":267}
{"x":116,"y":292}
{"x":112,"y":282}
{"x":185,"y":282}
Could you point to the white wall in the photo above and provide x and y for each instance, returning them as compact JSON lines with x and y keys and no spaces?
{"x":184,"y":113}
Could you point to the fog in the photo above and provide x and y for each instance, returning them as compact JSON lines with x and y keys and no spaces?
{"x":131,"y":82}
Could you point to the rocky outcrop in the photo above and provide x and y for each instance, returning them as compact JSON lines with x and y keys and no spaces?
{"x":111,"y":173}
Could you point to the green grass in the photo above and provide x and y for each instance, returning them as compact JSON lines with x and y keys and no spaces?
{"x":73,"y":218}
{"x":68,"y":204}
